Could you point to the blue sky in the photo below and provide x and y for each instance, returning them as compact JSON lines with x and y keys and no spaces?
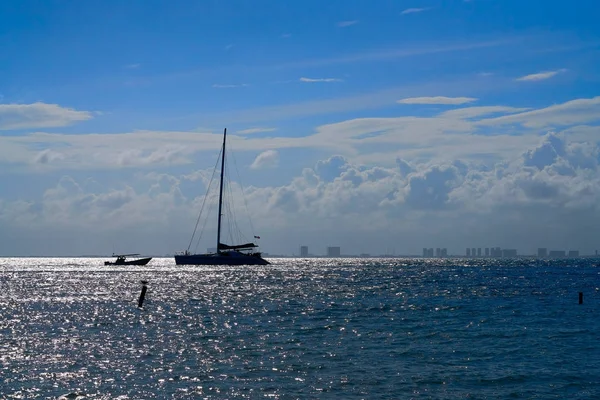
{"x":108,"y":107}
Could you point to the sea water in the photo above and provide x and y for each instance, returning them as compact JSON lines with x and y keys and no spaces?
{"x":300,"y":329}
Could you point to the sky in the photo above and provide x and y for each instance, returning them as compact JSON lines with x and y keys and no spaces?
{"x":380,"y":127}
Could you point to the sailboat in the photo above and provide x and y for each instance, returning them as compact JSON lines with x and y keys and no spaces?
{"x":225,"y":254}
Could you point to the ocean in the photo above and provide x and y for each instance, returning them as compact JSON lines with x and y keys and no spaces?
{"x":300,"y":329}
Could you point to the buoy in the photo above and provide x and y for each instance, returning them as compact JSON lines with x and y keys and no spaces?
{"x":143,"y":294}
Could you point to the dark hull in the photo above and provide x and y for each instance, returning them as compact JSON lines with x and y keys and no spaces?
{"x":140,"y":261}
{"x":233,"y":258}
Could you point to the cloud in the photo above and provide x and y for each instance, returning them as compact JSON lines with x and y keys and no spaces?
{"x":401,"y":52}
{"x":250,"y":131}
{"x":344,"y":24}
{"x":286,"y":35}
{"x":39,"y":115}
{"x":540,"y":76}
{"x":220,"y":86}
{"x":133,"y":66}
{"x":437,"y":100}
{"x":569,"y":113}
{"x":372,"y":100}
{"x":542,"y":195}
{"x":319,"y":80}
{"x":266,"y":159}
{"x":415,"y":10}
{"x":474,"y":112}
{"x":485,"y":132}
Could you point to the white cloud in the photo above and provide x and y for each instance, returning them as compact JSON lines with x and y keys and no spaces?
{"x":228,"y":86}
{"x":437,"y":100}
{"x":344,"y":24}
{"x":266,"y":159}
{"x":540,"y":76}
{"x":486,"y":132}
{"x":400,"y":52}
{"x":373,"y":100}
{"x":39,"y":115}
{"x":319,"y":80}
{"x":474,"y":112}
{"x":565,"y":114}
{"x":415,"y":10}
{"x":250,"y":131}
{"x":544,"y":195}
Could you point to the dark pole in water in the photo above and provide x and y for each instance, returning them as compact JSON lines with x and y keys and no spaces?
{"x":580,"y":297}
{"x":143,"y":294}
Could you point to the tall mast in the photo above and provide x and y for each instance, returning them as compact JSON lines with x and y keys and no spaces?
{"x":221,"y":192}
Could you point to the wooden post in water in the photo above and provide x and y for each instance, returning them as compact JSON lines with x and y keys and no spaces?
{"x":580,"y":297}
{"x":143,"y":294}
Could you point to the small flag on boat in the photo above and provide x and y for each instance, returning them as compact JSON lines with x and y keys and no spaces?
{"x":256,"y":237}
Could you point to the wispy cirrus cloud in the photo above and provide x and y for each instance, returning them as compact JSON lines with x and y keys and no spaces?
{"x":417,"y":136}
{"x":540,"y":76}
{"x":303,"y":79}
{"x":133,"y":66}
{"x":389,"y":54}
{"x":221,"y":86}
{"x":578,"y":111}
{"x":343,"y":24}
{"x":250,"y":131}
{"x":415,"y":10}
{"x":437,"y":100}
{"x":39,"y":115}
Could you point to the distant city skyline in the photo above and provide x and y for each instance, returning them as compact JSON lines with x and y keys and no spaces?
{"x":442,"y":252}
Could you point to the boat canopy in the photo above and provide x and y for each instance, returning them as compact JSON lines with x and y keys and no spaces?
{"x":223,"y":246}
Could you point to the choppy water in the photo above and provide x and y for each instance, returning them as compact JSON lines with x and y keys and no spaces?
{"x":298,"y":329}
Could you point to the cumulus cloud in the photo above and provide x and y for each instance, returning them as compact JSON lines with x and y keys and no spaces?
{"x":39,"y":115}
{"x":437,"y":100}
{"x":546,"y":195}
{"x":266,"y":159}
{"x":540,"y":76}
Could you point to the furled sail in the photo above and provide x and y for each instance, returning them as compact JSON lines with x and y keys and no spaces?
{"x":223,"y":246}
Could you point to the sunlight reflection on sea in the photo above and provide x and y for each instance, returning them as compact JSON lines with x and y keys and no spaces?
{"x":300,"y":328}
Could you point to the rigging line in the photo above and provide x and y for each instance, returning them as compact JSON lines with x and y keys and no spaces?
{"x":238,"y":231}
{"x":212,"y":201}
{"x":210,"y":207}
{"x":227,"y":207}
{"x":230,"y":211}
{"x":243,"y":194}
{"x":234,"y":231}
{"x":203,"y":203}
{"x":202,"y":208}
